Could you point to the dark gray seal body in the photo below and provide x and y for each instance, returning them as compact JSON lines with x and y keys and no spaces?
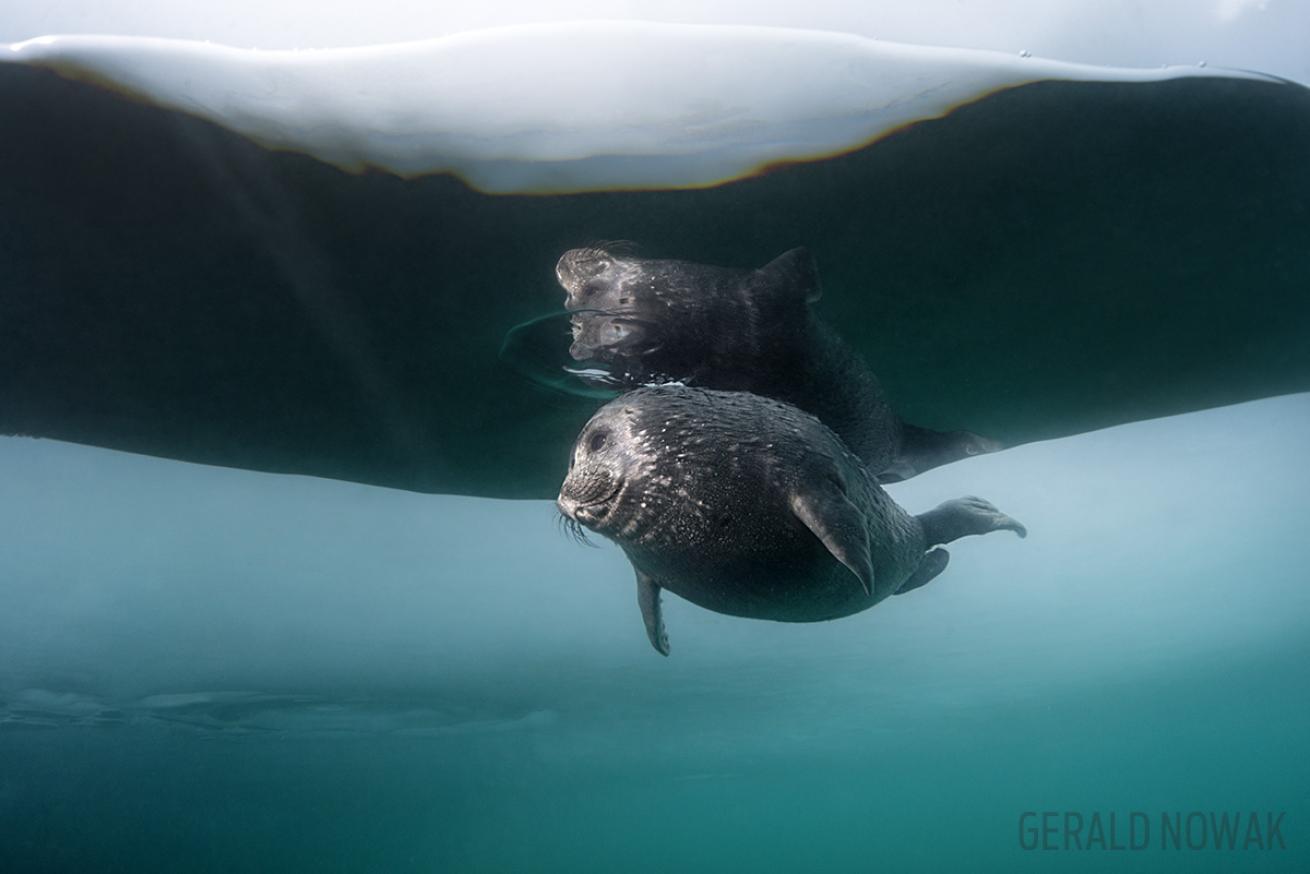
{"x":748,"y":506}
{"x":654,"y":320}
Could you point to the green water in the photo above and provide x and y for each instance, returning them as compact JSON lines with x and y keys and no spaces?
{"x":213,"y":670}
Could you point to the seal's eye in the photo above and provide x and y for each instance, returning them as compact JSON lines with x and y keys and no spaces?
{"x":597,"y":441}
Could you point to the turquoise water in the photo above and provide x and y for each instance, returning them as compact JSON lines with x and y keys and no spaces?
{"x":205,"y":669}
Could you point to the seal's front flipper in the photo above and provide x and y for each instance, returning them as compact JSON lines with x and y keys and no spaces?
{"x":841,"y":525}
{"x":965,"y":516}
{"x":932,"y":564}
{"x":923,"y":449}
{"x":648,"y":598}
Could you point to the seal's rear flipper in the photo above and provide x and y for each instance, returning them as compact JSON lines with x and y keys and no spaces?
{"x":648,"y":598}
{"x":923,"y":449}
{"x":932,"y":564}
{"x":965,"y":516}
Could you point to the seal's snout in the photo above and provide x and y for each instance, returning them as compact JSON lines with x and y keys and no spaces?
{"x":576,"y":511}
{"x":590,"y":485}
{"x":587,"y":492}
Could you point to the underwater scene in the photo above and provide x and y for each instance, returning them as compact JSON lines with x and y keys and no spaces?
{"x":726,"y":440}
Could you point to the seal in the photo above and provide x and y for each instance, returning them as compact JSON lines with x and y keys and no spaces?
{"x":651,"y":320}
{"x":750,"y":507}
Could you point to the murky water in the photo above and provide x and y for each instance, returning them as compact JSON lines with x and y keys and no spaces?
{"x":207,"y":669}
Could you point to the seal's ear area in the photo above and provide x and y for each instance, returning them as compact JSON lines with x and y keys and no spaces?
{"x":792,"y":273}
{"x":839,"y":524}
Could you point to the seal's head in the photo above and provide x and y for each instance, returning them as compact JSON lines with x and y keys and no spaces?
{"x":652,"y":320}
{"x":667,"y":467}
{"x":593,"y":278}
{"x":605,"y":280}
{"x":606,"y":462}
